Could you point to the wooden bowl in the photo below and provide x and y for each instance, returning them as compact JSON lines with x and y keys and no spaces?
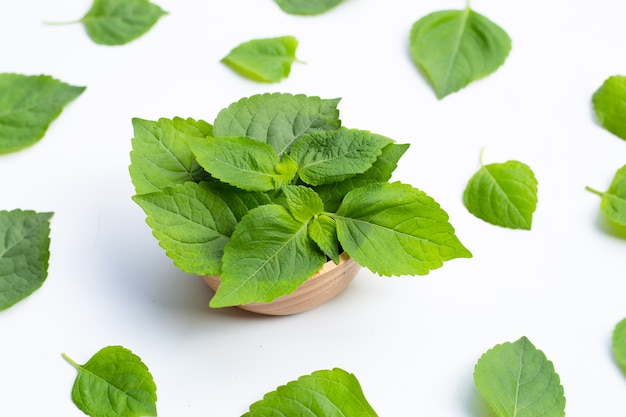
{"x":324,"y":285}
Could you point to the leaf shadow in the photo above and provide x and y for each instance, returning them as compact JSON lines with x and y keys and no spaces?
{"x":609,"y":227}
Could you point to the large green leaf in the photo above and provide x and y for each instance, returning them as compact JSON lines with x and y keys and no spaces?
{"x":114,"y":383}
{"x":193,"y":222}
{"x":24,"y":254}
{"x":335,"y":155}
{"x":117,"y":22}
{"x":503,"y":194}
{"x":609,"y":105}
{"x":517,"y":380}
{"x":160,"y":155}
{"x":266,"y":60}
{"x":395,"y":229}
{"x":613,"y":203}
{"x":270,"y":254}
{"x":619,"y":343}
{"x":278,"y":119}
{"x":28,"y":105}
{"x":455,"y":47}
{"x":327,"y":393}
{"x":307,"y":7}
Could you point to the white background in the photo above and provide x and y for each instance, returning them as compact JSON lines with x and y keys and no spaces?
{"x":411,"y":341}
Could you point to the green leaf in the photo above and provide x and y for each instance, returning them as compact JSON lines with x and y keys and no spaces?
{"x":277,"y":119}
{"x":613,"y":203}
{"x":266,"y":60}
{"x":303,"y":202}
{"x":242,"y":162}
{"x":193,"y":222}
{"x":323,"y":231}
{"x":395,"y":229}
{"x":328,"y":393}
{"x":24,"y":254}
{"x":269,"y":255}
{"x":160,"y":155}
{"x":503,"y":194}
{"x":307,"y":7}
{"x":28,"y":105}
{"x":456,"y":47}
{"x":609,"y":105}
{"x":619,"y":343}
{"x":333,"y":156}
{"x":517,"y":379}
{"x":117,"y":22}
{"x":114,"y":383}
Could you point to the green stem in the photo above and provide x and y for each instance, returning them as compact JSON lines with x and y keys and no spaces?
{"x":70,"y":361}
{"x":593,"y":190}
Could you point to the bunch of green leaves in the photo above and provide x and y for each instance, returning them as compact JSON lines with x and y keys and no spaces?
{"x":613,"y":202}
{"x":307,"y":7}
{"x":609,"y":105}
{"x":265,"y":60}
{"x":24,"y":254}
{"x":453,"y":48}
{"x":274,"y":188}
{"x":517,"y":379}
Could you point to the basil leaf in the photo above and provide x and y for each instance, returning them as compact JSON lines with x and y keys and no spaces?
{"x":117,"y":22}
{"x":613,"y":203}
{"x":619,"y":343}
{"x":517,"y":379}
{"x":277,"y":119}
{"x":335,"y":155}
{"x":307,"y":7}
{"x":609,"y":105}
{"x":269,"y":255}
{"x":503,"y":194}
{"x":323,"y":231}
{"x":303,"y":202}
{"x":114,"y":383}
{"x":395,"y":229}
{"x":323,"y":393}
{"x":456,"y":47}
{"x":24,"y":254}
{"x":266,"y":60}
{"x":28,"y":106}
{"x":160,"y":155}
{"x":193,"y":222}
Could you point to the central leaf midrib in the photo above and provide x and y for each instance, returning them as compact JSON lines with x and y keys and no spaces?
{"x":457,"y":46}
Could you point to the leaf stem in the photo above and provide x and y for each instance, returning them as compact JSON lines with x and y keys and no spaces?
{"x":70,"y":361}
{"x":480,"y":157}
{"x":593,"y":190}
{"x":73,"y":22}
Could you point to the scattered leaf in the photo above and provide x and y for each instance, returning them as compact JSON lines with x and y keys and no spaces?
{"x":613,"y":202}
{"x":619,"y":343}
{"x":609,"y":105}
{"x":307,"y":7}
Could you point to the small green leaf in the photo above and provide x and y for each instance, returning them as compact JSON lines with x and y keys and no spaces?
{"x":28,"y":105}
{"x":193,"y":222}
{"x":303,"y":202}
{"x":117,"y":22}
{"x":323,"y":231}
{"x":619,"y":343}
{"x":456,"y":47}
{"x":114,"y":383}
{"x":266,"y":60}
{"x":613,"y":203}
{"x":329,"y":393}
{"x":517,"y":379}
{"x":503,"y":194}
{"x":160,"y":155}
{"x":270,"y":254}
{"x":395,"y":229}
{"x":277,"y":119}
{"x":335,"y":155}
{"x":609,"y":105}
{"x":307,"y":7}
{"x":24,"y":254}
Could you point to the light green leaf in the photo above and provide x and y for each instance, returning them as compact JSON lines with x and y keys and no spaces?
{"x":114,"y":383}
{"x":517,"y":380}
{"x":277,"y":119}
{"x":160,"y":155}
{"x":242,"y":162}
{"x":307,"y":7}
{"x":395,"y":229}
{"x":266,"y":60}
{"x":456,"y":47}
{"x":609,"y":105}
{"x":503,"y":194}
{"x":193,"y":222}
{"x":335,"y":155}
{"x":323,"y":231}
{"x":303,"y":202}
{"x":269,"y":255}
{"x":619,"y":343}
{"x":328,"y":393}
{"x":24,"y":254}
{"x":117,"y":22}
{"x":28,"y":105}
{"x":613,"y":203}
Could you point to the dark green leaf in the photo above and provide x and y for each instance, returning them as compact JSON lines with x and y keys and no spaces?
{"x":609,"y":105}
{"x":266,"y":60}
